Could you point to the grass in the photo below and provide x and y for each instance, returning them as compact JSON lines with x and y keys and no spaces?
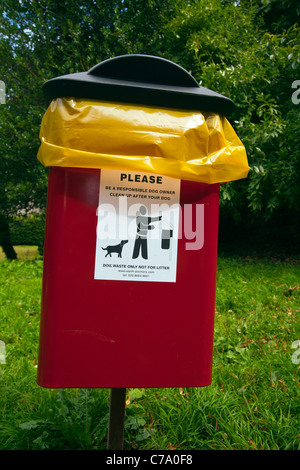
{"x":252,"y":404}
{"x":24,"y":253}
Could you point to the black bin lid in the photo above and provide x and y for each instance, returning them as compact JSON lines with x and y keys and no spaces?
{"x":139,"y":79}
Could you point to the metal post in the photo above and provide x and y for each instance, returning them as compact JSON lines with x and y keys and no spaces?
{"x":116,"y":419}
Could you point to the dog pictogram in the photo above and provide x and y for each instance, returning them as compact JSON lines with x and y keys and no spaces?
{"x":115,"y":249}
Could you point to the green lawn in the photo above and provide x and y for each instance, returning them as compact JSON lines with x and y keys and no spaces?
{"x":253,"y":402}
{"x":24,"y":253}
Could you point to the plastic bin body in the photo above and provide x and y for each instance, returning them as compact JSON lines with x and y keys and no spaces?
{"x":110,"y":334}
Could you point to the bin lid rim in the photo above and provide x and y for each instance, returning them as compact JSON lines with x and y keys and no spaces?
{"x":105,"y":82}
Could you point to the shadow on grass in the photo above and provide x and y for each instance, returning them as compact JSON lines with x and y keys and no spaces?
{"x":24,"y":253}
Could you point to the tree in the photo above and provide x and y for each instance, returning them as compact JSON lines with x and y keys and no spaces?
{"x":228,"y":49}
{"x":278,"y":16}
{"x":244,"y":49}
{"x":43,"y":39}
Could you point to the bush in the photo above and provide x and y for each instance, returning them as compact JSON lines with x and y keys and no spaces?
{"x":28,"y":230}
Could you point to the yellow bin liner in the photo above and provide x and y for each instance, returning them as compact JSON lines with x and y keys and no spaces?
{"x":189,"y":145}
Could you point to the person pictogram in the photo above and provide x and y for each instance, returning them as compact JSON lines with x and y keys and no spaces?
{"x":143,"y":226}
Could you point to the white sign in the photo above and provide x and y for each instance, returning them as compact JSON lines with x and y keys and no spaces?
{"x":137,"y":230}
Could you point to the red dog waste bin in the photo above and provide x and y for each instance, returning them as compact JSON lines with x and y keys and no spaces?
{"x":137,"y":151}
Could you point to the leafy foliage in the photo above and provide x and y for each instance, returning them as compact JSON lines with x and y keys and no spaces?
{"x":228,"y":49}
{"x":249,"y":51}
